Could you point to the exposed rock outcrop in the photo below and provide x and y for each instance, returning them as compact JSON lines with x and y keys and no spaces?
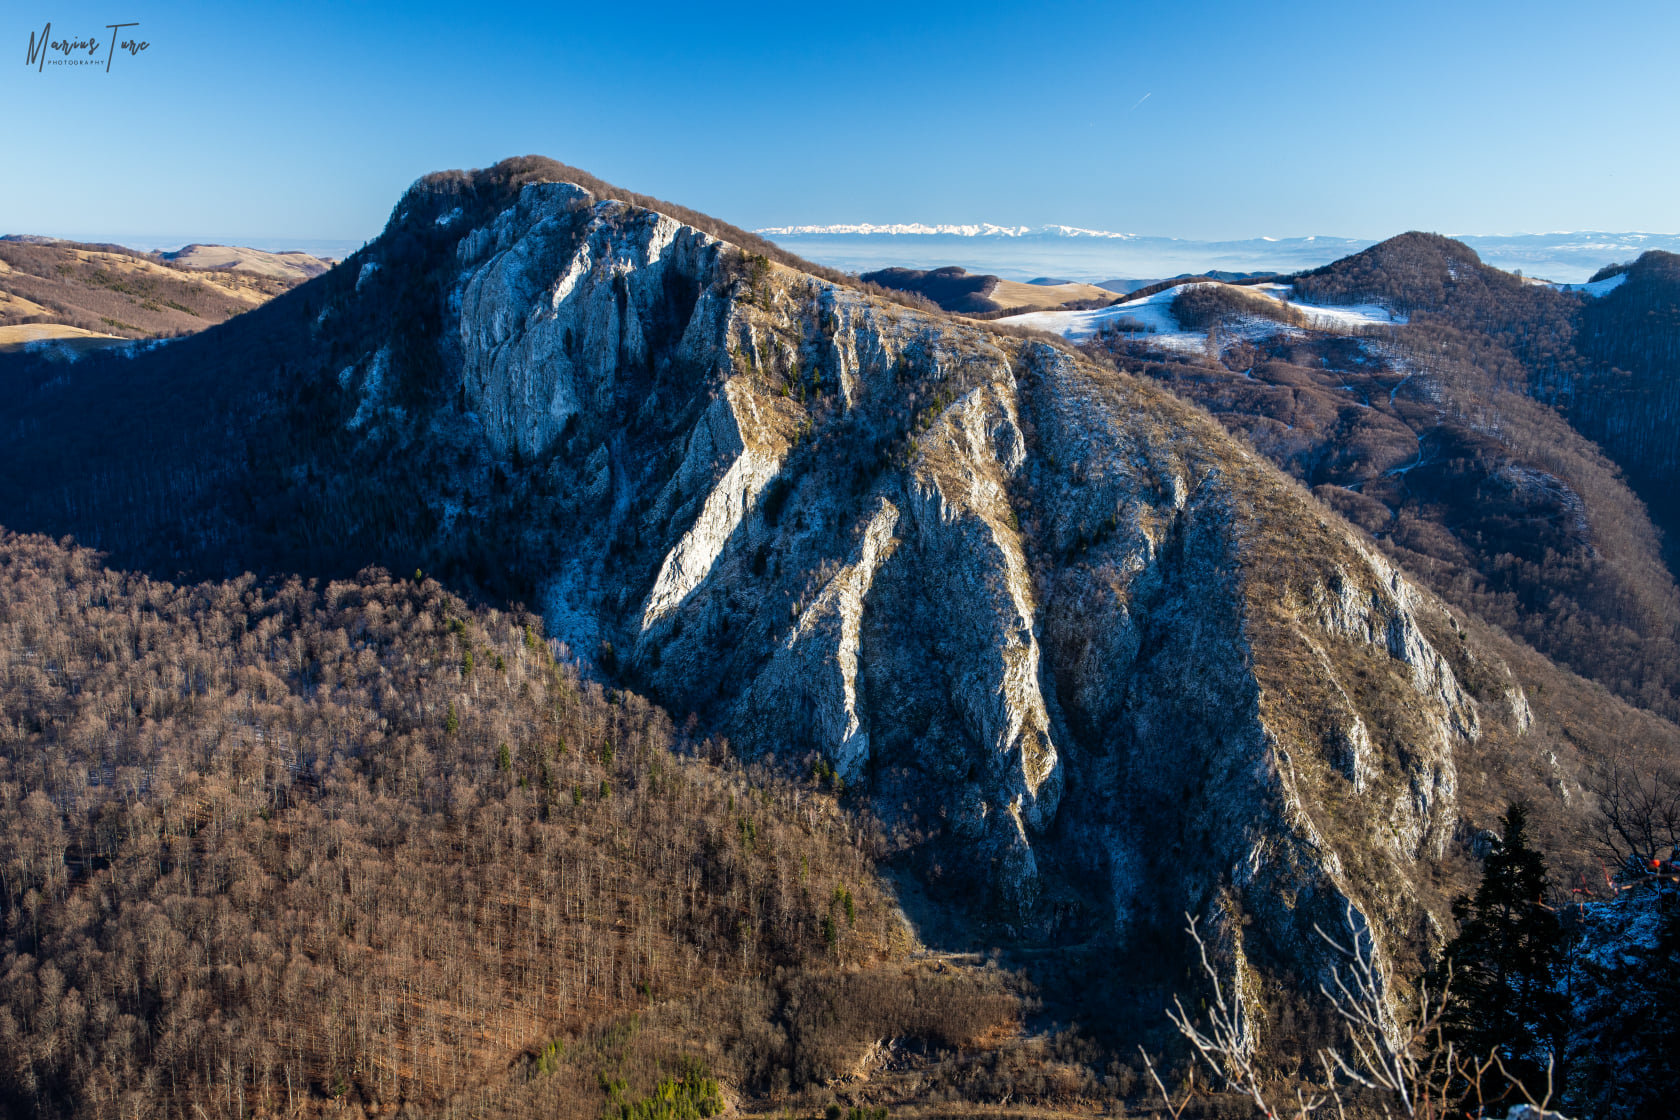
{"x":1042,"y":614}
{"x":565,"y":298}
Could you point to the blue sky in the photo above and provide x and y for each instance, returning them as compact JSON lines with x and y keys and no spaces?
{"x":301,"y":120}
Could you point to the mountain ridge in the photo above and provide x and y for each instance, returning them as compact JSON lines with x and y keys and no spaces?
{"x":1090,"y":661}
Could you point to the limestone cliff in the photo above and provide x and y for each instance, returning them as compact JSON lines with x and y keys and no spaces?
{"x":1046,"y":619}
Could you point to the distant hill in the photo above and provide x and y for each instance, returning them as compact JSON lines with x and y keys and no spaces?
{"x":1607,"y":362}
{"x":95,"y":294}
{"x":952,"y":288}
{"x":1433,"y":433}
{"x":1410,"y":273}
{"x":294,"y":265}
{"x":956,"y":289}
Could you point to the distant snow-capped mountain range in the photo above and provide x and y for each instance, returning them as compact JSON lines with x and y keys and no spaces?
{"x":917,"y":229}
{"x":1094,"y":255}
{"x":983,"y":229}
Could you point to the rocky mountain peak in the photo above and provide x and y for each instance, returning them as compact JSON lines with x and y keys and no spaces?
{"x":1081,"y":661}
{"x":1053,"y":625}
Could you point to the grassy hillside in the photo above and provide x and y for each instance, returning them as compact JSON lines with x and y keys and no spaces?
{"x":109,"y":290}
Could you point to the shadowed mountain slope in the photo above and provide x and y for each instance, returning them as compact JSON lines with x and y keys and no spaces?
{"x":952,"y":288}
{"x":1629,"y":401}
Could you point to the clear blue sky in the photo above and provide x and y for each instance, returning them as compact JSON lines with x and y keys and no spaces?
{"x":307,"y":120}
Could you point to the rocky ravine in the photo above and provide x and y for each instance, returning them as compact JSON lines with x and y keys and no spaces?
{"x":1055,"y":625}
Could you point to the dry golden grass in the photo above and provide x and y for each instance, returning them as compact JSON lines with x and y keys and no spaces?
{"x":17,"y":336}
{"x":241,"y":288}
{"x":290,"y":266}
{"x":106,"y":289}
{"x":1013,"y":293}
{"x":16,"y":305}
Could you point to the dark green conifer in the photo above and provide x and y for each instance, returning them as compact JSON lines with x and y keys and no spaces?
{"x":1507,"y":961}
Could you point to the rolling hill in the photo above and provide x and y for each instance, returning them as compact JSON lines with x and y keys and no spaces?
{"x":67,"y":290}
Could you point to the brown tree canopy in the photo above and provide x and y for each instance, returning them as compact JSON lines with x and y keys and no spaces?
{"x":262,"y":847}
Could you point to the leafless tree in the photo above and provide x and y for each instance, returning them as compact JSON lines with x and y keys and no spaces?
{"x":1407,"y":1064}
{"x":1638,"y":815}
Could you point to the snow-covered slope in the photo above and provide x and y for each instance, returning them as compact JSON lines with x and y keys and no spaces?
{"x":1597,"y":287}
{"x":1154,"y":314}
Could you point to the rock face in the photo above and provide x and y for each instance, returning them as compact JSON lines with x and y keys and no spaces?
{"x":1051,"y":622}
{"x":565,"y":298}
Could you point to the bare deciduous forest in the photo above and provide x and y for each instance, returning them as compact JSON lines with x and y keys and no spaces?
{"x":1439,"y":437}
{"x":271,"y":848}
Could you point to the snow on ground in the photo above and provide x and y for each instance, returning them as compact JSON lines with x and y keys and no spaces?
{"x":1357,"y":315}
{"x":1597,"y":287}
{"x":1330,"y":316}
{"x":1151,"y":313}
{"x":1154,"y":313}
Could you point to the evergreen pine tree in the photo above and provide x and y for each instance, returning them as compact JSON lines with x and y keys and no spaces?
{"x":1507,"y":961}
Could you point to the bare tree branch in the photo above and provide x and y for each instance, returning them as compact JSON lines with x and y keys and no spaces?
{"x":1223,"y":1045}
{"x":1175,"y":1111}
{"x":1408,"y":1062}
{"x":1638,"y":813}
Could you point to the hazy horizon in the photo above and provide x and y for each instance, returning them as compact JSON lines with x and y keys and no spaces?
{"x":1085,"y":259}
